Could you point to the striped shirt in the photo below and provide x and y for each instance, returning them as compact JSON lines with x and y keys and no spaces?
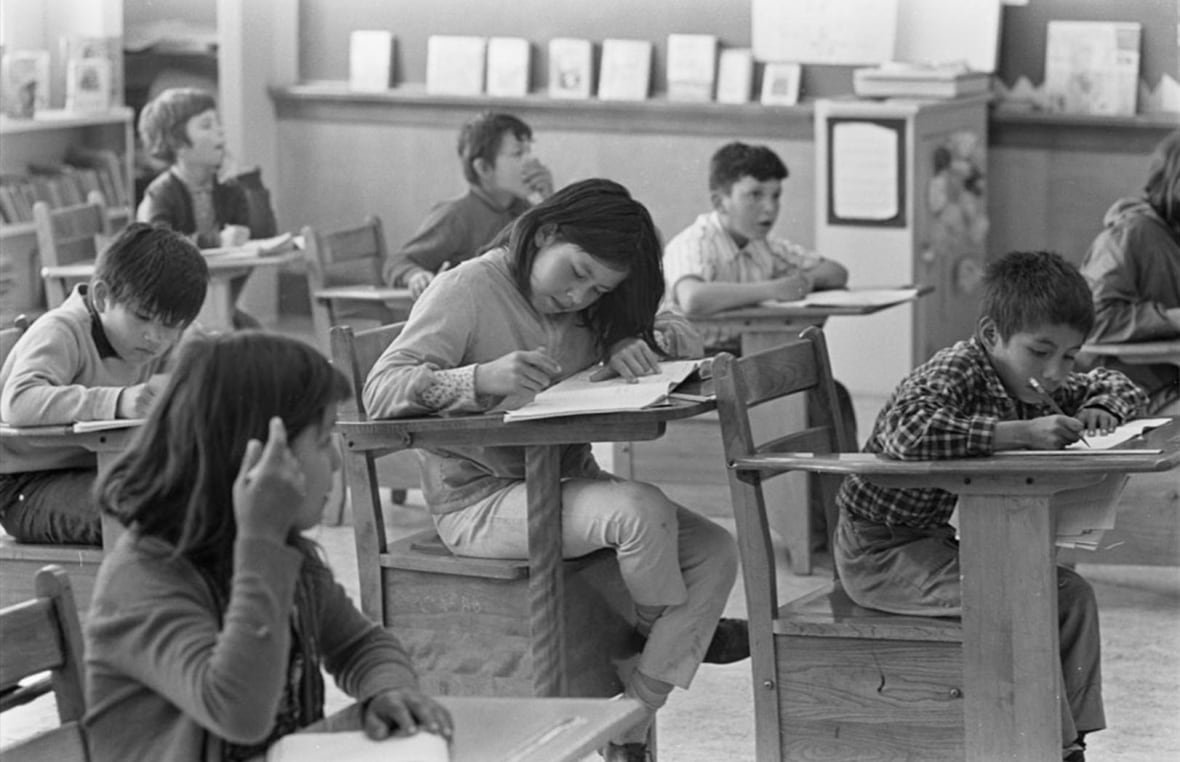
{"x":948,"y":408}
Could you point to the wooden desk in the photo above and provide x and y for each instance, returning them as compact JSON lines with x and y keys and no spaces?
{"x":1138,"y":352}
{"x":520,"y":729}
{"x":217,"y":311}
{"x":105,"y":444}
{"x":1010,"y":638}
{"x":542,"y":441}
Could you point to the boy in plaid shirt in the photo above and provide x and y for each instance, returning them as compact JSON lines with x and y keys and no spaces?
{"x":895,"y":549}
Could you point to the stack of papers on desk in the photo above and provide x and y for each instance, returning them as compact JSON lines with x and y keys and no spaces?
{"x":578,"y":395}
{"x":861,"y":297}
{"x":259,"y":247}
{"x":355,"y":746}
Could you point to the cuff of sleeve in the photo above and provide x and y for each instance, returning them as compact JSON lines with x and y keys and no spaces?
{"x":452,"y":387}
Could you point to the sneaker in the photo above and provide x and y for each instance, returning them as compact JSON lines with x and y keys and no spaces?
{"x":730,"y":643}
{"x":626,"y":752}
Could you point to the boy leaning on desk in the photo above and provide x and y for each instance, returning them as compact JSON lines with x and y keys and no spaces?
{"x":895,"y":549}
{"x":98,"y":356}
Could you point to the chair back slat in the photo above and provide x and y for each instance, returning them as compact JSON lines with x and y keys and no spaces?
{"x":66,"y":236}
{"x":347,"y":257}
{"x":355,"y":353}
{"x":43,"y":635}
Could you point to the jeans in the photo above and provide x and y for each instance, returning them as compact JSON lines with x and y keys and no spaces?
{"x":905,"y":570}
{"x":51,"y":507}
{"x":668,"y":556}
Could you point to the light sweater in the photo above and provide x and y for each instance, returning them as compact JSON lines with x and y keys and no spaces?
{"x":59,"y":374}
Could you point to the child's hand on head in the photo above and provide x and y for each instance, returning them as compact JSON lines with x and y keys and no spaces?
{"x":269,"y":487}
{"x":516,"y":372}
{"x":136,"y":401}
{"x":537,"y":178}
{"x":403,"y":712}
{"x":1096,"y":421}
{"x":629,"y":358}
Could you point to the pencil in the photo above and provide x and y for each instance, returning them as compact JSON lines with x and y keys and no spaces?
{"x":1052,"y":403}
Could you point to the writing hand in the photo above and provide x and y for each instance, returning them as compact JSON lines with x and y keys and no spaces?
{"x":521,"y":371}
{"x":629,"y":358}
{"x":269,"y":484}
{"x":1053,"y":432}
{"x":403,"y":712}
{"x":792,"y":287}
{"x":136,"y":401}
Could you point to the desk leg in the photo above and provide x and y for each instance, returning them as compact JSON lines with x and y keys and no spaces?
{"x":217,"y":313}
{"x":546,"y":615}
{"x":1010,"y":643}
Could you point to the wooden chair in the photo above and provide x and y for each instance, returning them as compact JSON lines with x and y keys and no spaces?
{"x":465,"y":621}
{"x":831,"y":680}
{"x":344,"y":278}
{"x":66,"y":243}
{"x":43,"y":635}
{"x":19,"y":561}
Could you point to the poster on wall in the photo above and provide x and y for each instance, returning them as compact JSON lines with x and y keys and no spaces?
{"x":866,"y":172}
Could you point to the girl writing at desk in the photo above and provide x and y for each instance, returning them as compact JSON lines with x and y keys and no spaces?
{"x":576,"y":280}
{"x":212,"y":616}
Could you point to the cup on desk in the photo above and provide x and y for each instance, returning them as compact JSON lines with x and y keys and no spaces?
{"x":234,"y":235}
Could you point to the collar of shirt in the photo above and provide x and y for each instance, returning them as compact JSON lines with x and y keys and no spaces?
{"x":193,"y":184}
{"x":97,"y":332}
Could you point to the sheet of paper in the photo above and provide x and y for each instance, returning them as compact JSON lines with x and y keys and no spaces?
{"x":119,"y":423}
{"x":354,"y":746}
{"x":1120,"y":435}
{"x":839,"y":297}
{"x":864,"y":171}
{"x":578,"y":395}
{"x":1084,"y":514}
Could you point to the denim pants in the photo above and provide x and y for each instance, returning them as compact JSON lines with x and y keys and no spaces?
{"x":905,"y":570}
{"x":51,"y":507}
{"x":668,"y":556}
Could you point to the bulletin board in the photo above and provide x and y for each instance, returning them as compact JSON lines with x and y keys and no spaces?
{"x":866,"y":166}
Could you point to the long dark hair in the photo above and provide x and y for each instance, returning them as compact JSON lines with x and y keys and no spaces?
{"x":599,"y":217}
{"x":175,"y":481}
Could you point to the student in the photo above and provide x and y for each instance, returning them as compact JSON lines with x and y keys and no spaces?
{"x":1133,"y":268}
{"x":181,"y":127}
{"x":503,"y":181}
{"x":575,"y":281}
{"x":98,"y":356}
{"x":895,"y":549}
{"x":213,"y":615}
{"x":727,"y":258}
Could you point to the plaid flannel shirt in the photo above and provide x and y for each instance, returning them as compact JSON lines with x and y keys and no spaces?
{"x":948,"y":408}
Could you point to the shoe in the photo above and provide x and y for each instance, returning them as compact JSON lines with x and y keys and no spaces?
{"x":730,"y":643}
{"x":626,"y":752}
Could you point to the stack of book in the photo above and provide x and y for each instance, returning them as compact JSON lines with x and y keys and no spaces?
{"x":918,"y":81}
{"x":83,"y":170}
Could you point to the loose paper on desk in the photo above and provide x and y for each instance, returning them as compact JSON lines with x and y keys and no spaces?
{"x":355,"y":746}
{"x":578,"y":395}
{"x":1102,"y":444}
{"x":82,"y":427}
{"x":257,"y":247}
{"x":861,"y":297}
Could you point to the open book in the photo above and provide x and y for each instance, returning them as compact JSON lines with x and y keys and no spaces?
{"x":578,"y":395}
{"x":354,"y":746}
{"x":861,"y":297}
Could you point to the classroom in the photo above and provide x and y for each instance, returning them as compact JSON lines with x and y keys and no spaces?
{"x":811,"y":282}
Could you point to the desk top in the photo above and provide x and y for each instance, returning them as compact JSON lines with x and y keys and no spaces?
{"x":238,"y":260}
{"x":490,"y":428}
{"x":101,"y":439}
{"x":792,"y":312}
{"x":1161,"y":452}
{"x":1138,"y":351}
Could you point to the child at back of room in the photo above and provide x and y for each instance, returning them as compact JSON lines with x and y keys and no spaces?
{"x":99,"y":356}
{"x":895,"y":549}
{"x":181,"y":127}
{"x":576,"y":281}
{"x":503,"y":179}
{"x":213,"y":615}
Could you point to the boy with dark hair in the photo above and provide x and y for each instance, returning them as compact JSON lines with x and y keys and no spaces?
{"x":96,"y":357}
{"x":895,"y":549}
{"x":504,"y":181}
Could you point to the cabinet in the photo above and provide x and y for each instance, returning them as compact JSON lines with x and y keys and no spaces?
{"x":47,"y":140}
{"x":901,"y":199}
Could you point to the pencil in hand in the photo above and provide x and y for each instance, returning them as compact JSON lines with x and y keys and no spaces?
{"x":1052,"y":403}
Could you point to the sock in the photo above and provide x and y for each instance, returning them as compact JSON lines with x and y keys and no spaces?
{"x":646,"y":616}
{"x":650,"y":692}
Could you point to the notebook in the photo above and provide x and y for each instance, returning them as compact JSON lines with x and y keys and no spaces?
{"x":578,"y":395}
{"x":355,"y":746}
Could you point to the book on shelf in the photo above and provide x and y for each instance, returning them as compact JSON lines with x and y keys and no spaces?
{"x":24,"y":82}
{"x":508,"y":66}
{"x":692,"y":66}
{"x":1092,"y":67}
{"x":370,"y":60}
{"x":735,"y":75}
{"x":88,"y":84}
{"x":109,"y":166}
{"x":455,"y":64}
{"x":578,"y":395}
{"x":919,"y":81}
{"x":625,"y":74}
{"x":90,"y":48}
{"x":571,"y":68}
